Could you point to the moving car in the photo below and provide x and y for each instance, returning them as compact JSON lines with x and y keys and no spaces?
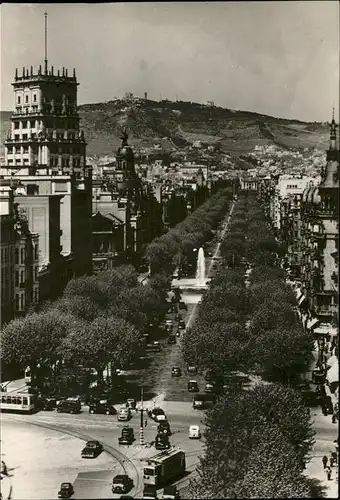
{"x":127,"y":436}
{"x":156,"y":347}
{"x":92,"y":449}
{"x":149,"y":492}
{"x":102,"y":407}
{"x":194,"y":432}
{"x":170,"y":493}
{"x":182,"y":305}
{"x":121,"y":483}
{"x":193,"y":386}
{"x":131,"y":403}
{"x":181,"y":324}
{"x":157,"y":414}
{"x":176,"y":371}
{"x":66,"y":490}
{"x":162,"y":442}
{"x":124,"y":414}
{"x":69,"y":405}
{"x":172,"y":339}
{"x":192,"y":369}
{"x":209,"y":387}
{"x":203,"y":401}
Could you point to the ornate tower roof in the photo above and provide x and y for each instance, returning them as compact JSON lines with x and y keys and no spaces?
{"x":333,"y":150}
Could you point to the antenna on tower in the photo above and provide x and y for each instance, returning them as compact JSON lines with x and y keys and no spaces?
{"x":45,"y":43}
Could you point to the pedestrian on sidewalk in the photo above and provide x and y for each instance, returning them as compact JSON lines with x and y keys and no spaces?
{"x":328,"y":473}
{"x":324,"y":461}
{"x":334,"y":456}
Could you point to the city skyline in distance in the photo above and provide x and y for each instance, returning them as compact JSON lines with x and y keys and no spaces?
{"x":279,"y":58}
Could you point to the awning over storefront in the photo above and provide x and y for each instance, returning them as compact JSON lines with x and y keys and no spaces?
{"x":326,"y":330}
{"x":333,"y":374}
{"x":312,"y":322}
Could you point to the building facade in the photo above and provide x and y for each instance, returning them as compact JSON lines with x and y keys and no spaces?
{"x":19,"y":259}
{"x":45,"y":160}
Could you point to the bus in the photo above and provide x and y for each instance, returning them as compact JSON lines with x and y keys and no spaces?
{"x":164,"y":467}
{"x":17,"y":402}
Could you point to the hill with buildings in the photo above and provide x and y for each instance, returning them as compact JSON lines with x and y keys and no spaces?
{"x":179,"y":124}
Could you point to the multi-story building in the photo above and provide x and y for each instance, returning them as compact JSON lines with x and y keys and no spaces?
{"x":19,"y":259}
{"x":45,"y":157}
{"x":320,"y":231}
{"x":126,"y":214}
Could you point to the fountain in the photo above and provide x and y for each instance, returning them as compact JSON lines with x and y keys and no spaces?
{"x":200,"y":270}
{"x":193,"y":286}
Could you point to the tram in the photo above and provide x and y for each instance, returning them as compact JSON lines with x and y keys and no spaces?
{"x":17,"y":402}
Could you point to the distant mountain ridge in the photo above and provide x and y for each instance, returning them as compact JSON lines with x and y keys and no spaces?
{"x":182,"y":123}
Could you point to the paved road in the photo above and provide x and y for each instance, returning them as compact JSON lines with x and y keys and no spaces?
{"x":40,"y":459}
{"x":92,"y":478}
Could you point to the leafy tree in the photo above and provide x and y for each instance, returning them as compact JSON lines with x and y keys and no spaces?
{"x":283,"y":354}
{"x":80,"y":306}
{"x":106,"y":339}
{"x":36,"y":339}
{"x":85,"y":286}
{"x":271,"y":315}
{"x":273,"y":470}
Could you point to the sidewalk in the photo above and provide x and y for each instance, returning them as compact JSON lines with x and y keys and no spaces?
{"x":326,"y":433}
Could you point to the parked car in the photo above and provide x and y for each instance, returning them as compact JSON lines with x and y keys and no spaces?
{"x":194,"y":432}
{"x":156,"y":413}
{"x":176,"y":371}
{"x":162,"y":442}
{"x":172,"y":339}
{"x":124,"y":414}
{"x":127,"y":436}
{"x":171,"y":493}
{"x":121,"y":483}
{"x":92,"y":449}
{"x":66,"y":490}
{"x":182,"y":305}
{"x":102,"y":407}
{"x":193,"y":386}
{"x":181,"y":324}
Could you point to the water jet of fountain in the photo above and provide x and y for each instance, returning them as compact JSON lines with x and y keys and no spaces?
{"x":200,"y":270}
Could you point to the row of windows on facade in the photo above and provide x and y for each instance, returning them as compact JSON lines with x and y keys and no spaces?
{"x":19,"y":257}
{"x":20,"y":302}
{"x":26,"y":98}
{"x":66,"y":149}
{"x":36,"y":124}
{"x":54,"y":162}
{"x":20,"y":277}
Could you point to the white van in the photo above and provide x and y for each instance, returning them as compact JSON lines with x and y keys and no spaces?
{"x":124,"y":414}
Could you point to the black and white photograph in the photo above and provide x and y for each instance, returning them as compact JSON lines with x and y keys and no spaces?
{"x":169,"y":216}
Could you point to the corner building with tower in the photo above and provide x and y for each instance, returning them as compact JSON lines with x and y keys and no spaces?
{"x":45,"y":164}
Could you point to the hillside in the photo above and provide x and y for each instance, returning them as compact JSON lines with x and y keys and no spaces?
{"x":182,"y":123}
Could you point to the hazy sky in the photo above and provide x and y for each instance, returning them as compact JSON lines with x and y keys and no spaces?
{"x":279,"y":58}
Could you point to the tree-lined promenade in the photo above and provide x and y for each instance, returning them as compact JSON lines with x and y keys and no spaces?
{"x":100,"y":320}
{"x":257,"y":440}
